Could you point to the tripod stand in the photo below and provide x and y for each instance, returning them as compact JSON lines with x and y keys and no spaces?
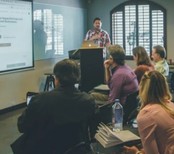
{"x":49,"y":84}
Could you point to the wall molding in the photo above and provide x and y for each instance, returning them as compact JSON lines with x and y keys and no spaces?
{"x":12,"y":108}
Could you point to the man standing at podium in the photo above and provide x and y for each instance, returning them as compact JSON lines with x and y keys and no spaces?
{"x":97,"y":34}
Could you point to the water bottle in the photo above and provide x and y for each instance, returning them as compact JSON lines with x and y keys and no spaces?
{"x":117,"y":116}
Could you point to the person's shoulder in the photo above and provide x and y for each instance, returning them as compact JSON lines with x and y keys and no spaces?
{"x":127,"y":67}
{"x":90,"y":31}
{"x":143,"y":68}
{"x":86,"y":100}
{"x":104,"y":31}
{"x":124,"y":73}
{"x":160,"y":62}
{"x":165,"y":62}
{"x":45,"y":95}
{"x":41,"y":97}
{"x":151,"y":109}
{"x":123,"y":69}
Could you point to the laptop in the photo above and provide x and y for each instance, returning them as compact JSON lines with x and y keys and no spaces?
{"x":88,"y":44}
{"x":29,"y":95}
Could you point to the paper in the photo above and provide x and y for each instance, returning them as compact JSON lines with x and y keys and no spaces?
{"x":103,"y":87}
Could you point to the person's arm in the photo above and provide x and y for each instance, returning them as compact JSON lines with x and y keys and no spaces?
{"x":87,"y":35}
{"x":107,"y":70}
{"x":116,"y":85}
{"x":108,"y":41}
{"x":147,"y":127}
{"x":132,"y":150}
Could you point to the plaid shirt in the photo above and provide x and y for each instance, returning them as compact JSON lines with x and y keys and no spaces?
{"x":102,"y":41}
{"x":162,"y":67}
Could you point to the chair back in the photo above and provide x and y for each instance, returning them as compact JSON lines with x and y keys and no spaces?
{"x":130,"y":106}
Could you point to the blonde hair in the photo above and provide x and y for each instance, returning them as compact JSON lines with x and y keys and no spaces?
{"x":154,"y":90}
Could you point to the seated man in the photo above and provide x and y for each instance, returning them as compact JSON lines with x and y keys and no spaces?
{"x":121,"y":81}
{"x":158,"y":55}
{"x":120,"y":78}
{"x":55,"y":121}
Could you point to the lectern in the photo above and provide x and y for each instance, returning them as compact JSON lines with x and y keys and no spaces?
{"x":92,"y":68}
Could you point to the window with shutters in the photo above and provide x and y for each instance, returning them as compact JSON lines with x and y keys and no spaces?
{"x":53,"y":26}
{"x":138,"y":23}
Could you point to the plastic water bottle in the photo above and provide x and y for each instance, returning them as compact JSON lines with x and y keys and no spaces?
{"x":117,"y":116}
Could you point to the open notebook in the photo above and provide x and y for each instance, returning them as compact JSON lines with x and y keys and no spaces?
{"x":108,"y":138}
{"x":101,"y":87}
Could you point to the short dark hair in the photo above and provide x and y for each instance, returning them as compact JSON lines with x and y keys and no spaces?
{"x":67,"y":72}
{"x":117,"y":53}
{"x":97,"y":18}
{"x":160,"y":50}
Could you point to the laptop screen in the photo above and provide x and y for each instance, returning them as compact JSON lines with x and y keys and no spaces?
{"x":29,"y":95}
{"x":89,"y":44}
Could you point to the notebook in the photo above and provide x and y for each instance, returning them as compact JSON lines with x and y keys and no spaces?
{"x":108,"y":138}
{"x":101,"y":87}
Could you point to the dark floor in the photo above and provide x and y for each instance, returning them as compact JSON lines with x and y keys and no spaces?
{"x":8,"y":130}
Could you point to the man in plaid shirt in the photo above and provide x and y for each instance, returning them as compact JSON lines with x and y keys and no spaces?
{"x":98,"y":35}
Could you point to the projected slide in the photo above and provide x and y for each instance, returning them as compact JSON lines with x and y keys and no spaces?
{"x":15,"y":35}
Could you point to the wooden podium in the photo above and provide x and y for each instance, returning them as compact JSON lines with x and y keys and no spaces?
{"x":92,"y":68}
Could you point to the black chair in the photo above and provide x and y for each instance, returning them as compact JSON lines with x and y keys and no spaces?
{"x":79,"y":148}
{"x":171,"y":81}
{"x":71,"y":138}
{"x":103,"y":114}
{"x":130,"y":107}
{"x":106,"y":113}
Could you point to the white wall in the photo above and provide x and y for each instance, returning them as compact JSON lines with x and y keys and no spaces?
{"x":14,"y":86}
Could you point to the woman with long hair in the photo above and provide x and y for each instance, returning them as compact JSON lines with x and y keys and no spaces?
{"x":156,"y":116}
{"x":142,"y":60}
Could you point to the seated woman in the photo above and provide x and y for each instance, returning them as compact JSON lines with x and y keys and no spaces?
{"x":156,"y":116}
{"x":142,"y":60}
